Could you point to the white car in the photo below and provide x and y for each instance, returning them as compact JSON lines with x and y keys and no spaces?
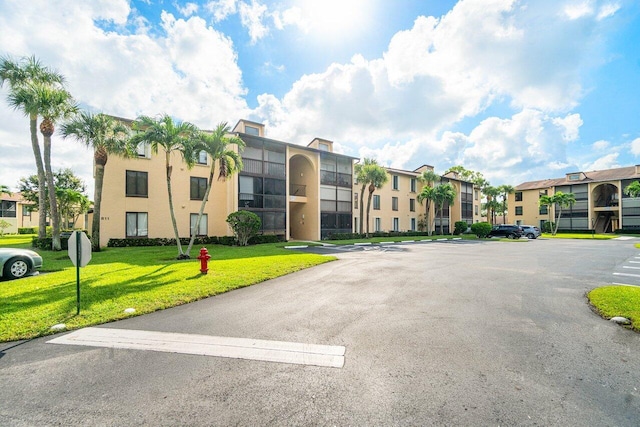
{"x":16,"y":263}
{"x":530,"y":231}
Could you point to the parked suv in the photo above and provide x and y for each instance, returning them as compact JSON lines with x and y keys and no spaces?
{"x":530,"y":231}
{"x":510,"y":231}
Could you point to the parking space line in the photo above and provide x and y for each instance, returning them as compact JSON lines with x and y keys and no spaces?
{"x":626,"y":274}
{"x":628,"y":266}
{"x":205,"y":345}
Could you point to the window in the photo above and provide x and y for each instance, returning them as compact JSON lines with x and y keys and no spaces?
{"x":412,"y":205}
{"x":137,"y":224}
{"x":7,"y":209}
{"x":198,"y":188}
{"x":376,"y":202}
{"x":202,"y":229}
{"x":412,"y":185}
{"x":355,"y":225}
{"x":518,"y":210}
{"x":396,"y":224}
{"x":355,"y":200}
{"x":394,"y":203}
{"x":137,"y":184}
{"x":413,"y":224}
{"x":544,"y":210}
{"x":202,"y":158}
{"x":476,"y":194}
{"x":574,"y":177}
{"x":395,"y":182}
{"x":475,"y":210}
{"x":377,"y":224}
{"x":251,"y":130}
{"x":26,"y":210}
{"x":143,"y":150}
{"x":518,"y":196}
{"x":323,"y":147}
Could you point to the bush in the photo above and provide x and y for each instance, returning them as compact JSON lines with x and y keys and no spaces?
{"x":245,"y":225}
{"x":460,"y":227}
{"x":481,"y":229}
{"x":28,"y":230}
{"x":548,"y":226}
{"x":45,"y":244}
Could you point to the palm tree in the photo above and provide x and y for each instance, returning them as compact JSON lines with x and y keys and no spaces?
{"x":171,"y":137}
{"x":633,"y":189}
{"x":361,"y":171}
{"x":106,"y":136}
{"x":4,"y":190}
{"x":505,"y":190}
{"x":53,"y":104}
{"x":559,"y":199}
{"x":217,"y":146}
{"x":491,"y":193}
{"x":19,"y":74}
{"x":443,"y":193}
{"x":428,"y":177}
{"x":376,"y":176}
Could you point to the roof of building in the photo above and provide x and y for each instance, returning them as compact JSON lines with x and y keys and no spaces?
{"x":629,"y":172}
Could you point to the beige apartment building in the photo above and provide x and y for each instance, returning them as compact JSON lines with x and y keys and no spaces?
{"x":601,"y":204}
{"x":301,"y":193}
{"x":395,"y":206}
{"x":17,"y":212}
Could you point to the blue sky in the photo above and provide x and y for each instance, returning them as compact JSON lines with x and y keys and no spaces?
{"x":517,"y":89}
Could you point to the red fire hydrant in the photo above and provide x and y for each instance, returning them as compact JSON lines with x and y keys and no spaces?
{"x":204,"y":258}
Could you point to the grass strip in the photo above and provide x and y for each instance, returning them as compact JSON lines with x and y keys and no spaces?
{"x":612,"y":301}
{"x":144,"y":278}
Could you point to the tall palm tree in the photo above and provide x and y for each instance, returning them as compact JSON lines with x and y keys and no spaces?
{"x":54,"y":103}
{"x":505,"y":189}
{"x":18,"y":74}
{"x":107,"y":137}
{"x":218,"y":146}
{"x":361,"y":171}
{"x":172,"y":137}
{"x":428,"y":178}
{"x":491,"y":193}
{"x":376,"y":176}
{"x":560,"y":200}
{"x":444,"y":193}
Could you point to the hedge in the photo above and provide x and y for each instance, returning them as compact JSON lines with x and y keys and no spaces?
{"x":210,"y":240}
{"x":351,"y":236}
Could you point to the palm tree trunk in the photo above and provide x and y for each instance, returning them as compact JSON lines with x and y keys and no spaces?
{"x":202,"y":205}
{"x":441,"y":216}
{"x":555,"y":230}
{"x":369,"y":210}
{"x":53,"y":205}
{"x":97,"y":203}
{"x":42,"y":193}
{"x":429,"y":226}
{"x":173,"y":215}
{"x":362,"y":207}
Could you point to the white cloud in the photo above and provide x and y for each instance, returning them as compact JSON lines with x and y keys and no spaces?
{"x":181,"y":70}
{"x":600,"y":145}
{"x":188,"y":9}
{"x":252,"y":17}
{"x":578,"y":9}
{"x":221,"y":9}
{"x":608,"y":10}
{"x":635,"y":147}
{"x":609,"y":161}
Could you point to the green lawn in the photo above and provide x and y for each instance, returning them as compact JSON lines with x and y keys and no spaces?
{"x":612,"y":301}
{"x":146,"y":279}
{"x":579,"y":236}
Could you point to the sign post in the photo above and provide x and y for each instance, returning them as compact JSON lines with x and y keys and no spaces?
{"x":80,"y":254}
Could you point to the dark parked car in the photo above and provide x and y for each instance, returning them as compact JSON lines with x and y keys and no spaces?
{"x":510,"y":231}
{"x":530,"y":231}
{"x":16,"y":263}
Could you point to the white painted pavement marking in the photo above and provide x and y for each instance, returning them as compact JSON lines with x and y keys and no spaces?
{"x":237,"y":348}
{"x":634,"y":262}
{"x":626,"y":274}
{"x":626,"y":284}
{"x":627,"y":266}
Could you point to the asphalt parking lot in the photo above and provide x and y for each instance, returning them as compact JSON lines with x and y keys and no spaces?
{"x":442,"y":333}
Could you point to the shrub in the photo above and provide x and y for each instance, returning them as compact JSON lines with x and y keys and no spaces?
{"x":548,"y":226}
{"x":245,"y":225}
{"x":460,"y":227}
{"x":481,"y":229}
{"x":28,"y":230}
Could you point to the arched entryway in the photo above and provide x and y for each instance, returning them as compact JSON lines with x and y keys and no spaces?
{"x":303,"y":199}
{"x":606,"y":208}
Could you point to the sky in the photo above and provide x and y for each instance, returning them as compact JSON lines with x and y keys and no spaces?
{"x":519,"y":90}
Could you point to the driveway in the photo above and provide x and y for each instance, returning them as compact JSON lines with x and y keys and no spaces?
{"x":443,"y":333}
